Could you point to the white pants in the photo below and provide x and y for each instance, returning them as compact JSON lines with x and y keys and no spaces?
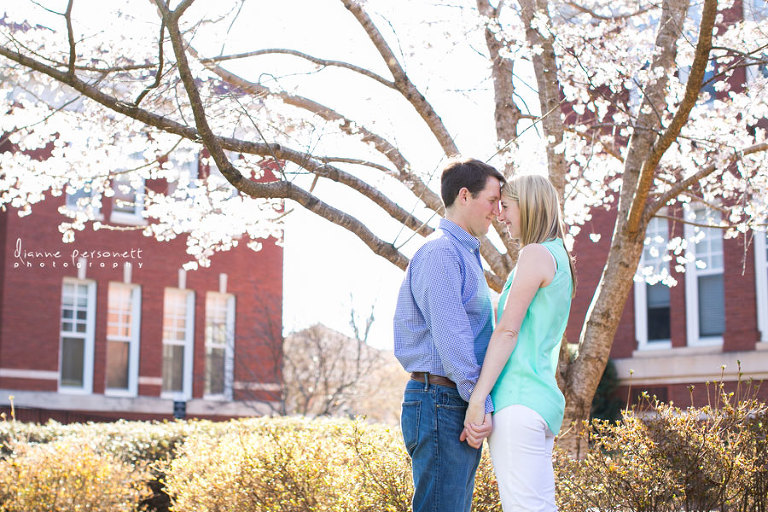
{"x":521,"y":450}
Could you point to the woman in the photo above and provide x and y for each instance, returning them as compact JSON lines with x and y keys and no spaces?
{"x":519,"y":367}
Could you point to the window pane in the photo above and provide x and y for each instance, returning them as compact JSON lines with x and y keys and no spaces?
{"x":117,"y":364}
{"x":658,"y":312}
{"x":72,"y":361}
{"x":125,"y":198}
{"x":709,"y":249}
{"x":173,"y":367}
{"x":711,"y":305}
{"x":214,"y":371}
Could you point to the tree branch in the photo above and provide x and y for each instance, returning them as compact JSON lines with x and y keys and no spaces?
{"x":592,"y":13}
{"x":70,"y":37}
{"x":402,"y":83}
{"x":277,"y":190}
{"x":383,"y":146}
{"x":648,"y":122}
{"x":681,"y":187}
{"x":305,"y":56}
{"x":159,"y":72}
{"x":545,"y":68}
{"x":681,"y":116}
{"x":507,"y":114}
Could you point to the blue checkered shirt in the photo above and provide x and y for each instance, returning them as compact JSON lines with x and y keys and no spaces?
{"x":444,"y":318}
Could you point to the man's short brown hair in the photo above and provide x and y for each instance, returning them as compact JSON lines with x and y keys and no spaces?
{"x":468,"y":173}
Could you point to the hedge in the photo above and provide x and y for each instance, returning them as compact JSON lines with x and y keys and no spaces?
{"x":662,"y":458}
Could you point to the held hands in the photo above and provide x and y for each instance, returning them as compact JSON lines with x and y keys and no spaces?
{"x":477,"y":424}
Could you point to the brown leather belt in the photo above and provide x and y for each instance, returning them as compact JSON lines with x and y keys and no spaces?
{"x":432,"y":379}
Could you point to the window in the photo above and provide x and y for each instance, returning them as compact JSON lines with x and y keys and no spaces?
{"x":78,"y":302}
{"x":757,"y":10}
{"x":123,"y":312}
{"x":219,"y":344}
{"x":652,"y":319}
{"x":128,"y":201}
{"x":761,"y":276}
{"x":85,"y":200}
{"x":178,"y":336}
{"x":705,"y":296}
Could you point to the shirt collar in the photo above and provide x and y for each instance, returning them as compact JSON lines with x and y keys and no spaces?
{"x":467,"y":240}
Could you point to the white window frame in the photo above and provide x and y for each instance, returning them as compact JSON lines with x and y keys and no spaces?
{"x":692,"y":274}
{"x":88,"y":337}
{"x":133,"y":342}
{"x":188,"y":344}
{"x":71,"y":205}
{"x":229,"y":346}
{"x":748,"y":11}
{"x":641,"y":304}
{"x":761,"y":283}
{"x":123,"y":179}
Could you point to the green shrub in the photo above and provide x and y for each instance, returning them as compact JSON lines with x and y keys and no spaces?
{"x":292,"y":464}
{"x":659,"y":459}
{"x":670,"y":459}
{"x":66,"y":476}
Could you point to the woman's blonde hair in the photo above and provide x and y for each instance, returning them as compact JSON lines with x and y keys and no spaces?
{"x":540,"y":217}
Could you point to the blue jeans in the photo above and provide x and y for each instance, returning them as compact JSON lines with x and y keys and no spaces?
{"x":444,"y":468}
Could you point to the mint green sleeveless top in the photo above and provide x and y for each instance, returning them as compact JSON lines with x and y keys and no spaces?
{"x":529,"y":376}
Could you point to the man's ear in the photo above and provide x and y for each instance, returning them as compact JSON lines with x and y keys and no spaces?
{"x":463,"y":194}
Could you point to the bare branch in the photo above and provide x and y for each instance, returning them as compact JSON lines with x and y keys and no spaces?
{"x":70,"y":37}
{"x":681,"y":187}
{"x":277,"y":190}
{"x":305,"y":56}
{"x":681,"y":116}
{"x":592,"y":13}
{"x":159,"y":72}
{"x":402,"y":83}
{"x":383,"y":146}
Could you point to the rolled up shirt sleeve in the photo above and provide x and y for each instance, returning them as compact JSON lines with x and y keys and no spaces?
{"x":439,"y":295}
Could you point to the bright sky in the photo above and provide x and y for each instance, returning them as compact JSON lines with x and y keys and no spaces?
{"x":327,"y":270}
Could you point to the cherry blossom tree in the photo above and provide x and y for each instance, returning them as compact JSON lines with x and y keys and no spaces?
{"x":631,"y":105}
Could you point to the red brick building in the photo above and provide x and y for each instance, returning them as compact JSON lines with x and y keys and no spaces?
{"x":112,"y":327}
{"x":709,"y":327}
{"x":712,"y":326}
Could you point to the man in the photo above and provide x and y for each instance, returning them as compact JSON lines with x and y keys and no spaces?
{"x":443,"y":323}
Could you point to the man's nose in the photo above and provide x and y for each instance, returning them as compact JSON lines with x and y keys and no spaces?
{"x":496,"y":210}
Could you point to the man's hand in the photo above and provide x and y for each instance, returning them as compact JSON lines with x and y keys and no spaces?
{"x":475,"y":433}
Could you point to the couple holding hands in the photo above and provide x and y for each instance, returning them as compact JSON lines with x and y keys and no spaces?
{"x":469,"y":379}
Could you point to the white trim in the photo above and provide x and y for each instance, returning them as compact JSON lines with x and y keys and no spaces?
{"x":692,"y":274}
{"x":641,"y":306}
{"x":687,"y":365}
{"x":82,"y":265}
{"x":761,"y":284}
{"x":144,"y":404}
{"x":229,"y":349}
{"x":20,"y":373}
{"x":134,"y":343}
{"x":89,"y":338}
{"x":222,"y":283}
{"x":182,"y":279}
{"x":257,"y":386}
{"x":150,"y":381}
{"x":127,"y":272}
{"x":189,"y":348}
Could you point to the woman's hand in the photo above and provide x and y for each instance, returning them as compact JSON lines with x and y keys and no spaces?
{"x":475,"y":414}
{"x":477,"y":424}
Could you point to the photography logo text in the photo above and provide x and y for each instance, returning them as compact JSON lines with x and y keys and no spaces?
{"x":74,"y":258}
